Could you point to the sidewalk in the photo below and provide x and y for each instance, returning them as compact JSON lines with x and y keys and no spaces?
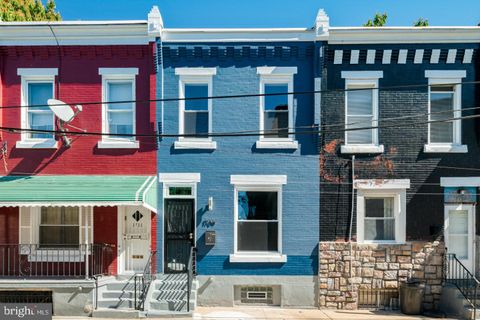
{"x":247,"y":313}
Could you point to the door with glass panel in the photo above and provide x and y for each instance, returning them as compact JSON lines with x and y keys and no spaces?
{"x":459,"y":231}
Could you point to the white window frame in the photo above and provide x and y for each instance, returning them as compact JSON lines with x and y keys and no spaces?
{"x":112,"y":75}
{"x":56,"y":254}
{"x":438,"y":77}
{"x":363,"y":79}
{"x":377,"y":188}
{"x":277,"y":75}
{"x":194,"y":76}
{"x":35,"y":75}
{"x":265,"y":183}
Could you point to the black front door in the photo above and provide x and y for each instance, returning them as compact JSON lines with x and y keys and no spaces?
{"x":179,"y":238}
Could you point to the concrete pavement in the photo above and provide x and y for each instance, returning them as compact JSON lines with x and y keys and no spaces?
{"x":266,"y":313}
{"x":253,"y":313}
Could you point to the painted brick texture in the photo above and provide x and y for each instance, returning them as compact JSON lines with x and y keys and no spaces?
{"x":80,"y":82}
{"x":403,"y":157}
{"x":238,"y":155}
{"x":105,"y":227}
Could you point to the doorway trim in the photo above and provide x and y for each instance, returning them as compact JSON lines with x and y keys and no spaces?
{"x":471,"y":231}
{"x":178,"y":180}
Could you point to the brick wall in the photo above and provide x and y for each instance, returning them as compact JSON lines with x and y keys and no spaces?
{"x":403,"y":157}
{"x":9,"y":219}
{"x":105,"y":231}
{"x":376,"y":267}
{"x":81,"y":82}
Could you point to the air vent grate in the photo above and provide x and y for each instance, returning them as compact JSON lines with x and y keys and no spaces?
{"x":257,"y":295}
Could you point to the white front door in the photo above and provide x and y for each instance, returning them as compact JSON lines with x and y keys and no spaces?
{"x":459,"y":233}
{"x":136,"y":239}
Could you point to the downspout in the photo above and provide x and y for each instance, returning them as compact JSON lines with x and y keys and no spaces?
{"x":351,"y":220}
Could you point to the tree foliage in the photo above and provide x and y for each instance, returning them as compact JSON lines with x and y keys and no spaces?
{"x":379,"y":20}
{"x":421,"y":22}
{"x":28,"y":10}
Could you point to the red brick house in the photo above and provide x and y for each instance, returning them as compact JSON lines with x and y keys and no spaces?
{"x":71,"y":212}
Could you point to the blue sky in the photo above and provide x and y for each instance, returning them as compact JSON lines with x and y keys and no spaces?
{"x":274,"y":13}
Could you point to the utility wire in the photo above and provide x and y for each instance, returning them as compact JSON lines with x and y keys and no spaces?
{"x":233,"y":134}
{"x":388,"y":88}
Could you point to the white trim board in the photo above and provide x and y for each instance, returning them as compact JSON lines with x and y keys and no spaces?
{"x":460,"y":181}
{"x":258,"y":179}
{"x":179,"y":177}
{"x":373,"y":184}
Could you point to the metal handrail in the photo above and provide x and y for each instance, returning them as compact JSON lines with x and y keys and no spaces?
{"x":190,"y":274}
{"x":457,"y":274}
{"x":142,"y":283}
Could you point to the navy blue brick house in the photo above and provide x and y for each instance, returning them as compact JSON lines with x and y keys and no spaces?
{"x":415,"y":178}
{"x":248,"y":204}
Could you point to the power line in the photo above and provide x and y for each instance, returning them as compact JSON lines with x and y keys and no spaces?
{"x":237,"y":96}
{"x":233,"y":134}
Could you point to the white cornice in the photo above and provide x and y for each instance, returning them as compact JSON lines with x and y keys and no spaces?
{"x":74,"y":33}
{"x":372,"y":35}
{"x":238,"y":35}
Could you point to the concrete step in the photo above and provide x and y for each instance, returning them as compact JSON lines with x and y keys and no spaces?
{"x":169,"y":314}
{"x":120,"y":286}
{"x":170,"y":305}
{"x":117,"y":294}
{"x":117,"y":314}
{"x":122,"y":303}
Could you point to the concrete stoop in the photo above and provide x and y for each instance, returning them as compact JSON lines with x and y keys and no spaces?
{"x":454,"y":304}
{"x":166,"y":297}
{"x":169,"y":293}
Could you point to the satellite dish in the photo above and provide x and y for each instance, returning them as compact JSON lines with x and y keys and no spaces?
{"x":65,"y":115}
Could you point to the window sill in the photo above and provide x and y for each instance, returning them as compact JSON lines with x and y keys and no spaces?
{"x":118,"y":144}
{"x":265,"y":144}
{"x":445,"y":148}
{"x":37,"y":144}
{"x":207,"y":145}
{"x":361,"y":149}
{"x":258,"y":258}
{"x":387,"y":242}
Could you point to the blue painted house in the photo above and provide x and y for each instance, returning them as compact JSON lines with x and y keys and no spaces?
{"x":244,"y":209}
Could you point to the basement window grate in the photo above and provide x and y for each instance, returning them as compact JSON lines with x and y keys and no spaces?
{"x":378,"y":299}
{"x":10,"y":296}
{"x":257,"y":295}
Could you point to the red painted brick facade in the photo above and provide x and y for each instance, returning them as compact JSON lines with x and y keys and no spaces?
{"x":105,"y":227}
{"x":9,"y":219}
{"x":80,"y":82}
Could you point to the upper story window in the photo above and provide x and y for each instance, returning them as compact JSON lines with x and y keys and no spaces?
{"x":361,"y":111}
{"x":258,"y":219}
{"x":276,"y":107}
{"x":195,"y":114}
{"x":38,"y":85}
{"x":445,"y":104}
{"x":381,"y":210}
{"x":119,"y":118}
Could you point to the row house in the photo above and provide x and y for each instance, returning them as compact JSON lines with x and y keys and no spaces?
{"x":78,"y":207}
{"x":344,"y":164}
{"x":244,"y":208}
{"x":399,"y":180}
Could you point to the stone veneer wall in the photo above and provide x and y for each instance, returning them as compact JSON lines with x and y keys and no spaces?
{"x":378,"y":266}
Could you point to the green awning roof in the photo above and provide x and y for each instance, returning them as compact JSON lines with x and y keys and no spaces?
{"x":78,"y":190}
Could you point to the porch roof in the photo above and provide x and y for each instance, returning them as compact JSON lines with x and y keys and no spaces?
{"x":78,"y":190}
